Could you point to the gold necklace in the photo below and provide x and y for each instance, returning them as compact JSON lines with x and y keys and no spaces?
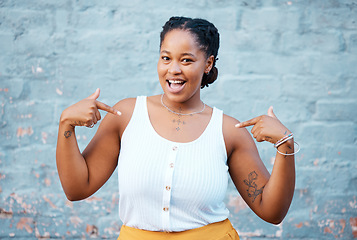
{"x":181,"y":114}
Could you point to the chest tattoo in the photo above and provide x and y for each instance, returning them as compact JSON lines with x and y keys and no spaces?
{"x":178,"y":122}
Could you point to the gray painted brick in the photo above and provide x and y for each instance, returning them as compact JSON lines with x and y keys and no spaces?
{"x":336,"y":110}
{"x":299,"y":56}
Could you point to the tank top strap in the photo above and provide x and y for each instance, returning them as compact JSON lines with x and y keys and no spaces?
{"x":217,"y":116}
{"x":140,"y":106}
{"x":215,"y":130}
{"x":138,"y":116}
{"x":216,"y":121}
{"x":137,"y":121}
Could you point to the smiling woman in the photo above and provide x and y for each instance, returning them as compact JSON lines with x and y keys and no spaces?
{"x":174,"y":153}
{"x":181,"y":67}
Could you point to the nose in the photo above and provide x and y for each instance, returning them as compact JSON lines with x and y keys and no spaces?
{"x":174,"y":68}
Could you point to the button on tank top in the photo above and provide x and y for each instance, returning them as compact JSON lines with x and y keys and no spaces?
{"x":171,"y":186}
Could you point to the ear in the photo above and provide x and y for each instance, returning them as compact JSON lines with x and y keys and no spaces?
{"x":209,"y":64}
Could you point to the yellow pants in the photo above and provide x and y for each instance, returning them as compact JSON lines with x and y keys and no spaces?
{"x":215,"y":231}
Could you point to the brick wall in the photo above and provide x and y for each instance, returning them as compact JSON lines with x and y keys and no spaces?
{"x":299,"y":56}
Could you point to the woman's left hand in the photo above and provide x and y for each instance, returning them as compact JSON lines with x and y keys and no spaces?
{"x":266,"y":127}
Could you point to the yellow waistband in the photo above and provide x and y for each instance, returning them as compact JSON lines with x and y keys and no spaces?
{"x":214,"y":231}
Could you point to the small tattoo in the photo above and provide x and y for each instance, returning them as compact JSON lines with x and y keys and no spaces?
{"x":267,"y":138}
{"x":253,"y":190}
{"x":67,"y":134}
{"x":179,"y":121}
{"x":287,"y":152}
{"x":78,"y":123}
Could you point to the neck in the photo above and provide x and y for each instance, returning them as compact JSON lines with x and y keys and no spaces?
{"x":192,"y":105}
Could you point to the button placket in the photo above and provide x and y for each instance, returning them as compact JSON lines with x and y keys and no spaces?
{"x":167,"y":187}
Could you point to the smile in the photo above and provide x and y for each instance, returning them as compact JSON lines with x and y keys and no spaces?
{"x":175,"y":85}
{"x":175,"y":81}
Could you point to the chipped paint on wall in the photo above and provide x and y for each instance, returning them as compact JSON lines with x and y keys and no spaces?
{"x":237,"y":203}
{"x":25,"y":223}
{"x":24,"y":131}
{"x":299,"y":56}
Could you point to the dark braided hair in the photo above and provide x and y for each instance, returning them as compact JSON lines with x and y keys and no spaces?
{"x":207,"y":37}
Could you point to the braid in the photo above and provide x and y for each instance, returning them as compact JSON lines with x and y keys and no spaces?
{"x":207,"y":37}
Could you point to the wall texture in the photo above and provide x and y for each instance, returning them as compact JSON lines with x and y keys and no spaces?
{"x":299,"y":56}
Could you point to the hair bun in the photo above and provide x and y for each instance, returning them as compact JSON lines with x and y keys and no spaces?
{"x":210,"y":78}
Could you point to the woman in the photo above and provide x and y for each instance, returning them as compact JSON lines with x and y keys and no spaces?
{"x":175,"y":152}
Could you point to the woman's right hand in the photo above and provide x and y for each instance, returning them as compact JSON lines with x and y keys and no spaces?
{"x":86,"y":112}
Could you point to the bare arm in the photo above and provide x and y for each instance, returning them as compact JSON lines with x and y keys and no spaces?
{"x":269,"y":196}
{"x":82,"y":175}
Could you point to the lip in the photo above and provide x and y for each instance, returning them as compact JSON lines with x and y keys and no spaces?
{"x":176,"y":89}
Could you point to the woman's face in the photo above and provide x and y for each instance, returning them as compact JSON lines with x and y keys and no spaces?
{"x":181,"y":66}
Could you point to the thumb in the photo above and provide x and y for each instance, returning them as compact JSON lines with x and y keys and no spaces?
{"x":271,"y":113}
{"x":95,"y":95}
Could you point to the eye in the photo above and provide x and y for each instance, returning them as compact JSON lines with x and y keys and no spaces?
{"x":187,"y":60}
{"x":165,"y":58}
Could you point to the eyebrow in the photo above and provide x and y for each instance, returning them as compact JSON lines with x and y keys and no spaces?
{"x":189,"y":54}
{"x":183,"y":54}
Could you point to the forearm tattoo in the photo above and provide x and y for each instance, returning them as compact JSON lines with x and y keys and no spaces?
{"x":67,"y":134}
{"x":252,"y":189}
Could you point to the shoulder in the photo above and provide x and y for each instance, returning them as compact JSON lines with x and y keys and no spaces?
{"x":234,"y":137}
{"x":228,"y":120}
{"x":230,"y":132}
{"x":112,"y":122}
{"x":126,"y":105}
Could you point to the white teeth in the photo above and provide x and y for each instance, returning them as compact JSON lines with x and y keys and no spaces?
{"x":176,"y":81}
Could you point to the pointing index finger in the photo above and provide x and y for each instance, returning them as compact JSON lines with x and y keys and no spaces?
{"x":248,"y":123}
{"x":107,"y":108}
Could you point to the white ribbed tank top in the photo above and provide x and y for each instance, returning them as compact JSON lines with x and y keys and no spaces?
{"x":170,"y":186}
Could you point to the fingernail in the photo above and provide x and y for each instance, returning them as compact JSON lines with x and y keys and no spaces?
{"x":118,"y":113}
{"x":237,"y":125}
